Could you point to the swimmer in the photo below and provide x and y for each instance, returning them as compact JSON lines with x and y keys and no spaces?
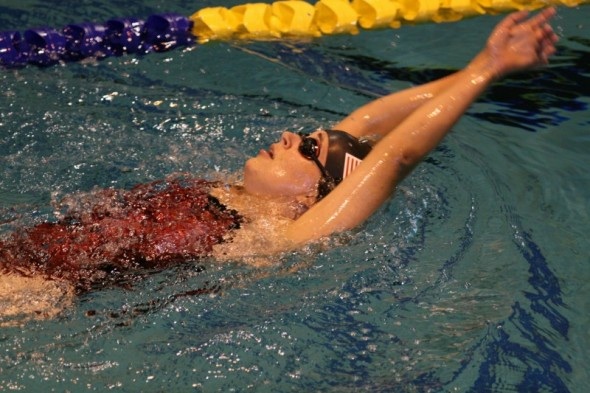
{"x":409,"y":124}
{"x":303,"y":188}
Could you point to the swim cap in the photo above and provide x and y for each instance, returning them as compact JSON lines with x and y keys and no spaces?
{"x":345,"y":153}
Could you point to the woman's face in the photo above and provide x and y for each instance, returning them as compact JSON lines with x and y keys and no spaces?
{"x":282,"y":170}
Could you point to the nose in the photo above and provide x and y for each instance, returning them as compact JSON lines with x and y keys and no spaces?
{"x":289,"y":139}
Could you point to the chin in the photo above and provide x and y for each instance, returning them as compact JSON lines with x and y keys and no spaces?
{"x":248,"y":168}
{"x":250,"y":184}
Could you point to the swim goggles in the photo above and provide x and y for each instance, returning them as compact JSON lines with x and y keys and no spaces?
{"x":309,"y":149}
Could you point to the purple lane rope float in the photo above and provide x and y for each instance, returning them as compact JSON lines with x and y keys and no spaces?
{"x":281,"y":19}
{"x":47,"y":46}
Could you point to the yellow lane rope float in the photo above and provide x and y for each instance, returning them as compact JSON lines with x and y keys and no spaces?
{"x":294,"y":18}
{"x":279,"y":20}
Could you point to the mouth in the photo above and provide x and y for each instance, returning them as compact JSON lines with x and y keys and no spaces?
{"x":266,"y":153}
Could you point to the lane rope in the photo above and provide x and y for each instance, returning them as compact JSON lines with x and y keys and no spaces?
{"x":286,"y":19}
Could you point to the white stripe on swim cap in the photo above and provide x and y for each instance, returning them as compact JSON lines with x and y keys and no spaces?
{"x":350,"y":164}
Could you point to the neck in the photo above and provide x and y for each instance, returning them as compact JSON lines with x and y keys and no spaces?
{"x":254,"y":206}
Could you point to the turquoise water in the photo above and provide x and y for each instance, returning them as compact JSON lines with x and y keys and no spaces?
{"x":473,"y":278}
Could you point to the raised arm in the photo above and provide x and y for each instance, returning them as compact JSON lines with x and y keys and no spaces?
{"x":517,"y":43}
{"x":381,"y":116}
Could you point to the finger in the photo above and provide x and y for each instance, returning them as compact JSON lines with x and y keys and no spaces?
{"x":547,"y":47}
{"x":550,"y":34}
{"x":548,"y":51}
{"x":512,"y":20}
{"x":549,"y":12}
{"x":542,"y":17}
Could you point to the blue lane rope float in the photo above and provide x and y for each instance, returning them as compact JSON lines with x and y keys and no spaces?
{"x":281,"y":19}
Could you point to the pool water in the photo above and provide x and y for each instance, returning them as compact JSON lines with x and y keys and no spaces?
{"x":473,"y":278}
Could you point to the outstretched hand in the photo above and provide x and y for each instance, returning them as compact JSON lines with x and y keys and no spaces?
{"x":520,"y":42}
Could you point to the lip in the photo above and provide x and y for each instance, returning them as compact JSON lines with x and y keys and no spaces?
{"x":265,"y":153}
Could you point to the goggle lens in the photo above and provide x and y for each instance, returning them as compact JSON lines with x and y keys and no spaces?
{"x":309,"y":149}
